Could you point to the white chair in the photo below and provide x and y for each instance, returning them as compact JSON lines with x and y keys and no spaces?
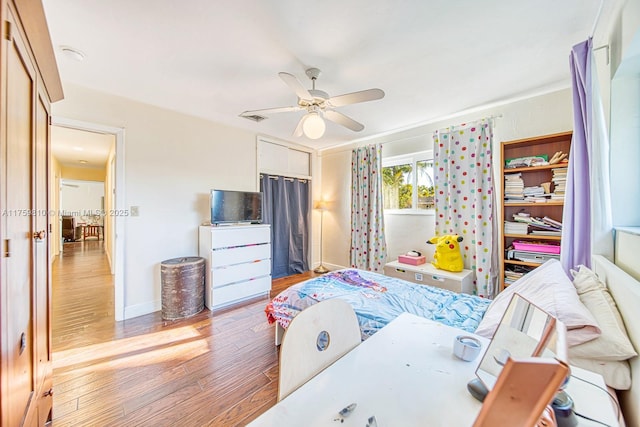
{"x":315,"y":338}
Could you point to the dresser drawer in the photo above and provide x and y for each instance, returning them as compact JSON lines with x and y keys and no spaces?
{"x":427,"y":274}
{"x":237,"y":255}
{"x":222,"y":276}
{"x":239,"y":236}
{"x":226,"y":295}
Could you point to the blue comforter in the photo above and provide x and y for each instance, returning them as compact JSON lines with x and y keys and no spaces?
{"x":378,"y":299}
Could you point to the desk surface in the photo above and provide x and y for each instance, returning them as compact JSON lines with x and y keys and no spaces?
{"x":404,"y":375}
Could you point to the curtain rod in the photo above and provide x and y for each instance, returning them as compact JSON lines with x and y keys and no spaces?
{"x":286,"y":178}
{"x":492,"y":117}
{"x":428,"y":134}
{"x":595,"y":22}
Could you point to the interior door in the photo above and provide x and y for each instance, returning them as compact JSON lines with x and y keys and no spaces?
{"x":18,"y":232}
{"x":41,"y":266}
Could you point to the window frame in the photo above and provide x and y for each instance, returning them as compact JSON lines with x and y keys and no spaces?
{"x":412,"y":159}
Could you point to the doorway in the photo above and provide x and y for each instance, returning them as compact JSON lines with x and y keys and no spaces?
{"x":112,"y":172}
{"x":82,"y":210}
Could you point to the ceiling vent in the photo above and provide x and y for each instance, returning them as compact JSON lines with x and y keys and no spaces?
{"x":254,"y":117}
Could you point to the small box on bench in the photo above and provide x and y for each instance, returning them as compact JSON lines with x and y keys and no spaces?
{"x":412,"y":260}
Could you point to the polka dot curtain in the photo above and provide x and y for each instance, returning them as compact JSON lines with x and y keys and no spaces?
{"x":368,"y":244}
{"x":465,"y":202}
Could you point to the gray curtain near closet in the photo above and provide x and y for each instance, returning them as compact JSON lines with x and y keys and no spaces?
{"x":285,"y":205}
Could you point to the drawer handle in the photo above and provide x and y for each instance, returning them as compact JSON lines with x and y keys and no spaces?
{"x":439,"y":279}
{"x":399,"y":270}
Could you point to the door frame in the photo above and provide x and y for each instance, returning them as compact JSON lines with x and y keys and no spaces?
{"x":117,"y":266}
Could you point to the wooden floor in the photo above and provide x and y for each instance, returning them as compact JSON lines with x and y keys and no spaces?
{"x":216,"y":370}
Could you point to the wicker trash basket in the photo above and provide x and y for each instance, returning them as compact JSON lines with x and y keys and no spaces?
{"x":182,"y":287}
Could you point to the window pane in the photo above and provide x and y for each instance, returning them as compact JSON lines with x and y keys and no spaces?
{"x":425,"y":184}
{"x":396,"y":186}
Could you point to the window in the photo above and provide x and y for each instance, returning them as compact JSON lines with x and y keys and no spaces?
{"x":407,"y":183}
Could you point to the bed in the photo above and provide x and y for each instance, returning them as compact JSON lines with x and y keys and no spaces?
{"x":626,"y":293}
{"x":377,"y":299}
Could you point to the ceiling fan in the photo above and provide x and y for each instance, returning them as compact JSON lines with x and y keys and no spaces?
{"x":319,"y":106}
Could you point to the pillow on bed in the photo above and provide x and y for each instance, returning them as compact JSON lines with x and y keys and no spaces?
{"x":614,"y":342}
{"x":549,"y":288}
{"x":616,"y":373}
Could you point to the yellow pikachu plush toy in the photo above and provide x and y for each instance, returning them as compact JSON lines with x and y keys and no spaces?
{"x":447,"y":255}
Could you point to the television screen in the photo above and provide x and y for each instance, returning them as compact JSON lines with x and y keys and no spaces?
{"x":235,"y":206}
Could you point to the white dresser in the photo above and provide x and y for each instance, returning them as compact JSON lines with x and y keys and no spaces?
{"x":238,"y":263}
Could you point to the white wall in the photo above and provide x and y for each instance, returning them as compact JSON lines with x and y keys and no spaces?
{"x":539,"y":115}
{"x":81,"y":198}
{"x":623,"y":38}
{"x":171,"y":163}
{"x":545,"y":114}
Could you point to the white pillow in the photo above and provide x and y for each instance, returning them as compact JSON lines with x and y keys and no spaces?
{"x":549,"y":288}
{"x":616,"y":373}
{"x":614,"y":342}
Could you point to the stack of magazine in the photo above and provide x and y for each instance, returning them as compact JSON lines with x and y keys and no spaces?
{"x":514,"y":272}
{"x":544,"y":226}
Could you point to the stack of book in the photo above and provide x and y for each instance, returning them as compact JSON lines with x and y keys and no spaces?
{"x":513,"y":188}
{"x":559,"y":181}
{"x":514,"y":272}
{"x":535,"y":194}
{"x":544,"y":226}
{"x":511,"y":227}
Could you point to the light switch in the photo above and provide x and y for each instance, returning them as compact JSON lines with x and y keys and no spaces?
{"x":135,"y":210}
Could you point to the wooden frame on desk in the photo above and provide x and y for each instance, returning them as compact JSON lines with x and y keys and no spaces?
{"x":523,"y":390}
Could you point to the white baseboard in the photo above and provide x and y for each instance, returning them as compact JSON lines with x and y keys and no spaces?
{"x":142,"y":309}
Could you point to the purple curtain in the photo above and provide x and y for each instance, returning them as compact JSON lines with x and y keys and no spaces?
{"x":576,"y":217}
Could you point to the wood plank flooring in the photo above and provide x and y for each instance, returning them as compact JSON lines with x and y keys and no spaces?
{"x":209,"y":370}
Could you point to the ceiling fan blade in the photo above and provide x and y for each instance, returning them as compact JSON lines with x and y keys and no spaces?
{"x":343,"y":120}
{"x":355,"y":97}
{"x":268,"y":111}
{"x":298,"y":132}
{"x":293,"y":82}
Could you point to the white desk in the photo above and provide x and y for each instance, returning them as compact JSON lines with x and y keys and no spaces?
{"x":405,"y":375}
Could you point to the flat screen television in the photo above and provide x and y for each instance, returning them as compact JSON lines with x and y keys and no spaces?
{"x":229,"y":207}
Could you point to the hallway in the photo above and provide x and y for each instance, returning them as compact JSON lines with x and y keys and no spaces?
{"x":218,"y":370}
{"x":83,"y":298}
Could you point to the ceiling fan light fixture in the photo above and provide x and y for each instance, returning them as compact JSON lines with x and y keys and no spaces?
{"x":313,"y":126}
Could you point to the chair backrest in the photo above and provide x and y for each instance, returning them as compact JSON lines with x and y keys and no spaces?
{"x":91,"y":231}
{"x":315,"y":338}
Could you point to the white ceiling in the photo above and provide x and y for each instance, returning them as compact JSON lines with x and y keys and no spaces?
{"x":80,"y":149}
{"x":216,"y":59}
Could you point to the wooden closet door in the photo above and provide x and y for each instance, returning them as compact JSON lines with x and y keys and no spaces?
{"x":41,"y":252}
{"x":25,"y":291}
{"x":17,"y":218}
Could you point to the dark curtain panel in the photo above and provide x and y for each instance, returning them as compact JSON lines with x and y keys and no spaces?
{"x":286,"y":207}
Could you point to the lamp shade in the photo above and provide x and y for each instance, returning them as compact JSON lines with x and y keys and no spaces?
{"x":313,"y":126}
